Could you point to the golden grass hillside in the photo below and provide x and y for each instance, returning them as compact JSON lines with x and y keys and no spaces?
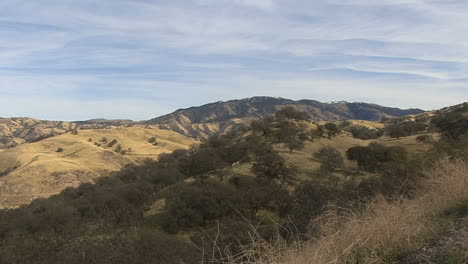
{"x":44,"y":170}
{"x":308,"y":165}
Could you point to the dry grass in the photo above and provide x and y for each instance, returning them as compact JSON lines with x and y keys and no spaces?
{"x":80,"y":161}
{"x":376,"y":234}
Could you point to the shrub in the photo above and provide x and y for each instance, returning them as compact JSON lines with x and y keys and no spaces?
{"x":291,"y":134}
{"x":330,"y":159}
{"x":263,"y":125}
{"x":376,"y":155}
{"x":310,"y":199}
{"x":59,"y":150}
{"x":193,"y":205}
{"x":331,"y":130}
{"x":425,"y":139}
{"x":112,"y":143}
{"x":8,"y":171}
{"x":365,"y":133}
{"x":402,"y":129}
{"x":118,"y":149}
{"x":271,"y":167}
{"x":396,"y":131}
{"x":289,"y":112}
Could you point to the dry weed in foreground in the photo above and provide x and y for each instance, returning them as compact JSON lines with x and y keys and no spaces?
{"x":381,"y":230}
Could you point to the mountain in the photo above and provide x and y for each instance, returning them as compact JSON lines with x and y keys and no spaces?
{"x":203,"y":121}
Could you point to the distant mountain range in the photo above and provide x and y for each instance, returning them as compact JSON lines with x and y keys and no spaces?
{"x":202,"y":121}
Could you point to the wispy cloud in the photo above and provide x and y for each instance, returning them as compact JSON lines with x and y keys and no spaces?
{"x":169,"y":54}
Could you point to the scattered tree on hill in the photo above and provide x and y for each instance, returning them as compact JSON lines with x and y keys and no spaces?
{"x":290,"y":112}
{"x":365,"y":133}
{"x":396,"y":131}
{"x":271,"y":167}
{"x":204,"y":160}
{"x":317,"y":133}
{"x":74,"y":132}
{"x":257,"y":145}
{"x":331,"y":130}
{"x":112,"y":143}
{"x":294,"y":142}
{"x":118,"y":149}
{"x":398,"y":128}
{"x":193,"y":205}
{"x":291,"y":134}
{"x":375,"y":156}
{"x":59,"y":150}
{"x":309,"y":200}
{"x":90,"y":140}
{"x":152,"y":140}
{"x":263,"y":125}
{"x":257,"y":195}
{"x":234,"y":153}
{"x":453,"y":124}
{"x":330,"y":159}
{"x":103,"y":140}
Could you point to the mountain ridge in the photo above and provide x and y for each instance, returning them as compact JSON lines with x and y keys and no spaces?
{"x":200,"y":122}
{"x":218,"y":117}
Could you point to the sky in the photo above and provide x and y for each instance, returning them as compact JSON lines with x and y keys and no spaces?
{"x":138,"y":59}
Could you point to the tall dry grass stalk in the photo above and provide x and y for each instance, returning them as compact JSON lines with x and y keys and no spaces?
{"x":382,"y":229}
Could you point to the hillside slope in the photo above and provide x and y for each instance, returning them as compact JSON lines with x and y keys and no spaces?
{"x":40,"y":169}
{"x":19,"y":130}
{"x":203,"y":121}
{"x":16,"y":131}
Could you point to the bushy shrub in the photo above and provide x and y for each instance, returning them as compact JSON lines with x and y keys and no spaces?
{"x":365,"y":133}
{"x":289,"y":112}
{"x":425,"y":139}
{"x":330,"y":159}
{"x":331,"y":130}
{"x":375,"y":155}
{"x":112,"y":143}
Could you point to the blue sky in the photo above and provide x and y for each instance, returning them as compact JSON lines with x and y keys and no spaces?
{"x":137,"y":59}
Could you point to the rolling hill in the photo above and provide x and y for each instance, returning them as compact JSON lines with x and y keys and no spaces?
{"x":16,"y":131}
{"x":46,"y":167}
{"x":39,"y":158}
